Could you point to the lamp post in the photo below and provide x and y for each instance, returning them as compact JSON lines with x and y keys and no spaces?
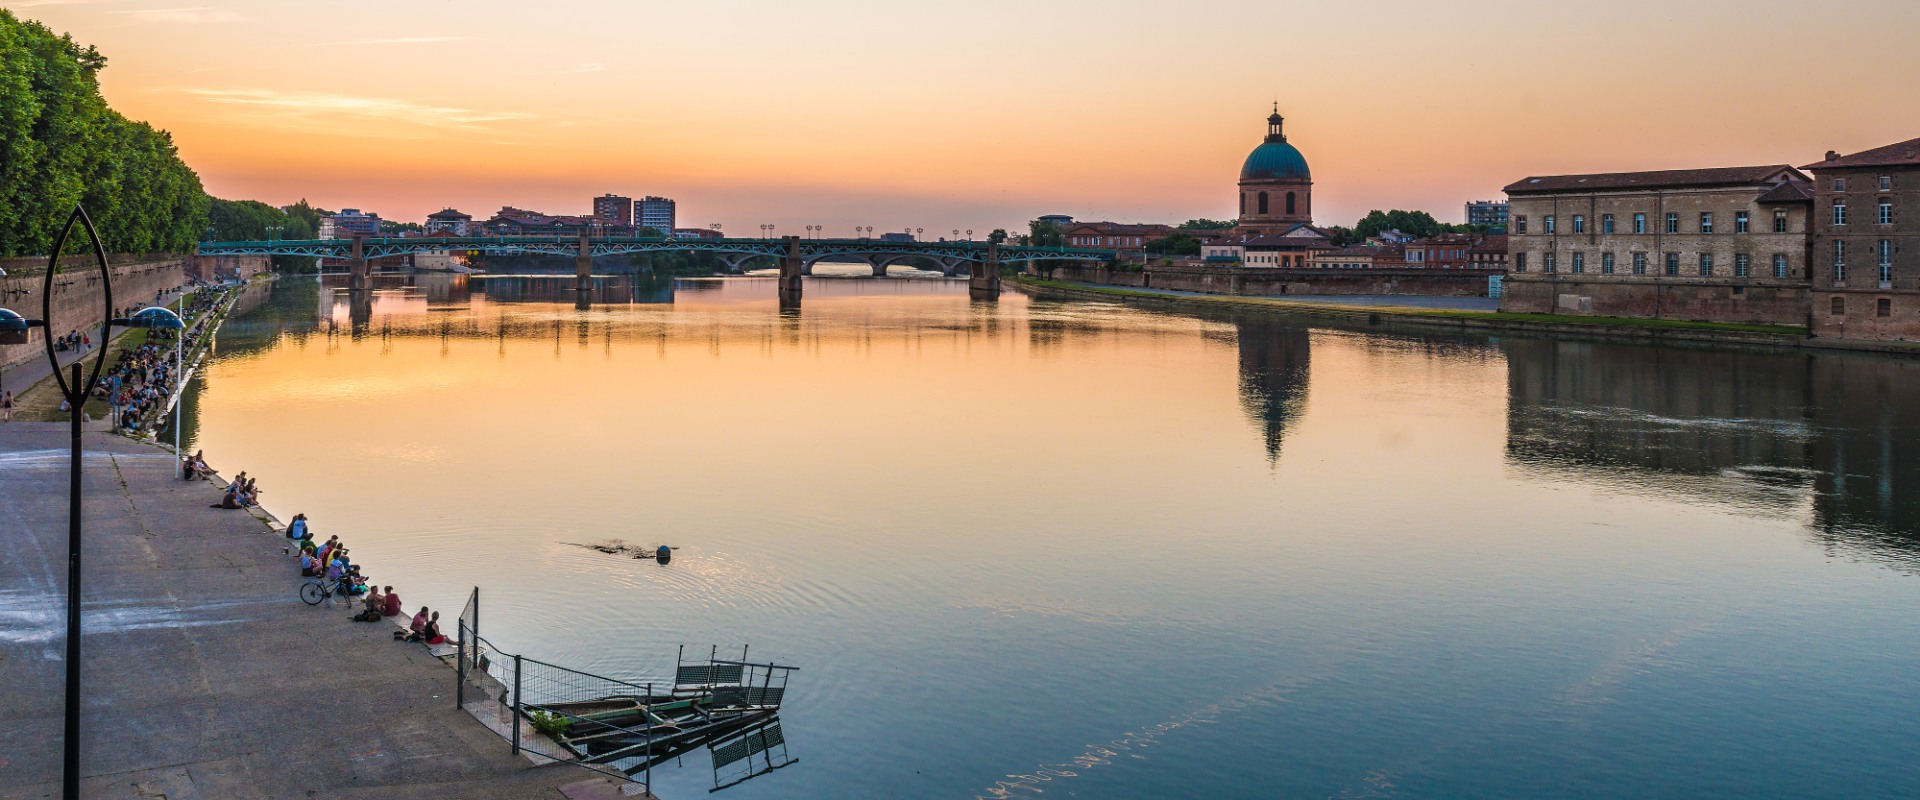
{"x":15,"y":329}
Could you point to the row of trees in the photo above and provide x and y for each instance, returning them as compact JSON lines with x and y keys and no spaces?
{"x":60,"y":145}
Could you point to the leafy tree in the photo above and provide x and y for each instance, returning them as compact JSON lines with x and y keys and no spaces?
{"x":60,"y":145}
{"x":1046,"y":233}
{"x":1414,"y":223}
{"x":998,"y":236}
{"x":389,"y":226}
{"x":308,"y":214}
{"x":1177,"y":244}
{"x":1204,"y":224}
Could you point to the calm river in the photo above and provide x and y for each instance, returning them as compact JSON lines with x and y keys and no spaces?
{"x":1082,"y":550}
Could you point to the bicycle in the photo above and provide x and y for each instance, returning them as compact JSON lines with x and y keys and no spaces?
{"x":318,"y":590}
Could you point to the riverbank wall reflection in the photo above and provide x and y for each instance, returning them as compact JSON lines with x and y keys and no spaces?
{"x":1828,"y":437}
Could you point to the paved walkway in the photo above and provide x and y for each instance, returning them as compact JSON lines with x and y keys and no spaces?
{"x":204,"y":675}
{"x":1400,"y":300}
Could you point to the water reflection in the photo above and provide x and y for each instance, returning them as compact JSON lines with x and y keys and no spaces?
{"x":1763,"y":433}
{"x":1276,"y":360}
{"x":1438,"y":561}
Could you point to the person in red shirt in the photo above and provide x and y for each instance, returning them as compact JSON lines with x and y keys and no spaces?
{"x":392,"y":608}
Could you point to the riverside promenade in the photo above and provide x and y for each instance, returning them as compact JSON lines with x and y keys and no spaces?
{"x":204,"y":675}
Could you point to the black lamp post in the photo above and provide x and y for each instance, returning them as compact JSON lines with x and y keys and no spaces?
{"x":15,"y":329}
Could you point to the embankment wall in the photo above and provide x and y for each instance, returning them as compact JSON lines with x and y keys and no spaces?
{"x":77,"y":302}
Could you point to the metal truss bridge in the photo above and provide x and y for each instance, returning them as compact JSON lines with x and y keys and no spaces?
{"x":733,"y":252}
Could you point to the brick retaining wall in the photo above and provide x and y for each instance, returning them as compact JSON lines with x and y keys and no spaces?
{"x":76,"y":298}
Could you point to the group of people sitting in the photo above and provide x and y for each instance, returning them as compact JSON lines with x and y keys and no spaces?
{"x":242,"y":491}
{"x":194,"y":467}
{"x":143,"y":377}
{"x":140,"y":380}
{"x":330,"y":561}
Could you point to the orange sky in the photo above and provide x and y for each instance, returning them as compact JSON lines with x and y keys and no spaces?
{"x":983,"y":114}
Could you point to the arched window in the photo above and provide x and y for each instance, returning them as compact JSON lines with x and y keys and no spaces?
{"x":1243,"y":205}
{"x":1290,"y":203}
{"x":1263,"y":202}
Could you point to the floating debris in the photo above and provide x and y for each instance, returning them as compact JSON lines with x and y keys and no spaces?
{"x":618,"y":547}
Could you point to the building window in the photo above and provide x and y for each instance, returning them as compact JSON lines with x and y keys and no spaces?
{"x":1673,"y":263}
{"x":1673,"y":223}
{"x":1606,"y":263}
{"x":1519,"y":262}
{"x":1579,"y":223}
{"x":1289,"y":203}
{"x":1520,"y":224}
{"x":1779,"y":222}
{"x":1886,"y":183}
{"x":1639,"y":263}
{"x":1886,"y":212}
{"x":1706,"y":222}
{"x":1742,"y":263}
{"x":1706,"y":264}
{"x":1639,"y":223}
{"x":1579,"y":261}
{"x":1606,"y":224}
{"x":1839,"y":306}
{"x":1263,"y":202}
{"x":1839,"y":212}
{"x":1780,"y":265}
{"x":1839,"y":184}
{"x":1839,"y":262}
{"x":1886,"y":261}
{"x":1546,"y":261}
{"x":1549,"y":223}
{"x":1739,"y":222}
{"x":1883,"y":307}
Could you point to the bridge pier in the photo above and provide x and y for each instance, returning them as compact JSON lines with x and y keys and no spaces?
{"x":792,"y":269}
{"x":985,"y":283}
{"x":359,"y":272}
{"x":583,"y":266}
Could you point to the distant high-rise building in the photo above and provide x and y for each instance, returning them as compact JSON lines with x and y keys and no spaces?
{"x":351,"y":221}
{"x":1491,"y":213}
{"x":612,"y":209}
{"x":656,"y":213}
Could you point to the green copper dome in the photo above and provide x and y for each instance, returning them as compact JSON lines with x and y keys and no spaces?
{"x":1275,"y":159}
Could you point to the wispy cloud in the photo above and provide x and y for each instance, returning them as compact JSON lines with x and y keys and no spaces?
{"x":340,"y":108}
{"x":574,"y":69}
{"x":38,"y":3}
{"x":196,"y":14}
{"x":395,"y":40}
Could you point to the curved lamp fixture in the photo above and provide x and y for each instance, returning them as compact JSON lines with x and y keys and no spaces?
{"x":13,"y":327}
{"x":152,"y":317}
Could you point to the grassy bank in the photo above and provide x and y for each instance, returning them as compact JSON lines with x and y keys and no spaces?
{"x":1430,"y":316}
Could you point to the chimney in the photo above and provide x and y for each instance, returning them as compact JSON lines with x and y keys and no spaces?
{"x":1832,"y":156}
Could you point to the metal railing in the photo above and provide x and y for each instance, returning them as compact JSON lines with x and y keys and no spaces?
{"x":613,"y":726}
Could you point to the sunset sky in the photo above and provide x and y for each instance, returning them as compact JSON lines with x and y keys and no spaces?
{"x":981,"y":114}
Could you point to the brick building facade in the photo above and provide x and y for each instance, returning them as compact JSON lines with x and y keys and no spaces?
{"x":1725,"y":244}
{"x":1866,"y":244}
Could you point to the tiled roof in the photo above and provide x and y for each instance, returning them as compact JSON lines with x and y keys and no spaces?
{"x":1493,"y":243}
{"x":1788,"y":192}
{"x":1671,"y":178}
{"x":1122,"y":229}
{"x":1905,"y":153}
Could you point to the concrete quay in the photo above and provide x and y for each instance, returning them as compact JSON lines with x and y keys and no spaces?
{"x":204,"y":675}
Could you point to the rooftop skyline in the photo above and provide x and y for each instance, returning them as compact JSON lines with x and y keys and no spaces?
{"x":851,"y":113}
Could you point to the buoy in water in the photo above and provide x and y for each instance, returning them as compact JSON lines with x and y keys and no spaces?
{"x":664,"y":554}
